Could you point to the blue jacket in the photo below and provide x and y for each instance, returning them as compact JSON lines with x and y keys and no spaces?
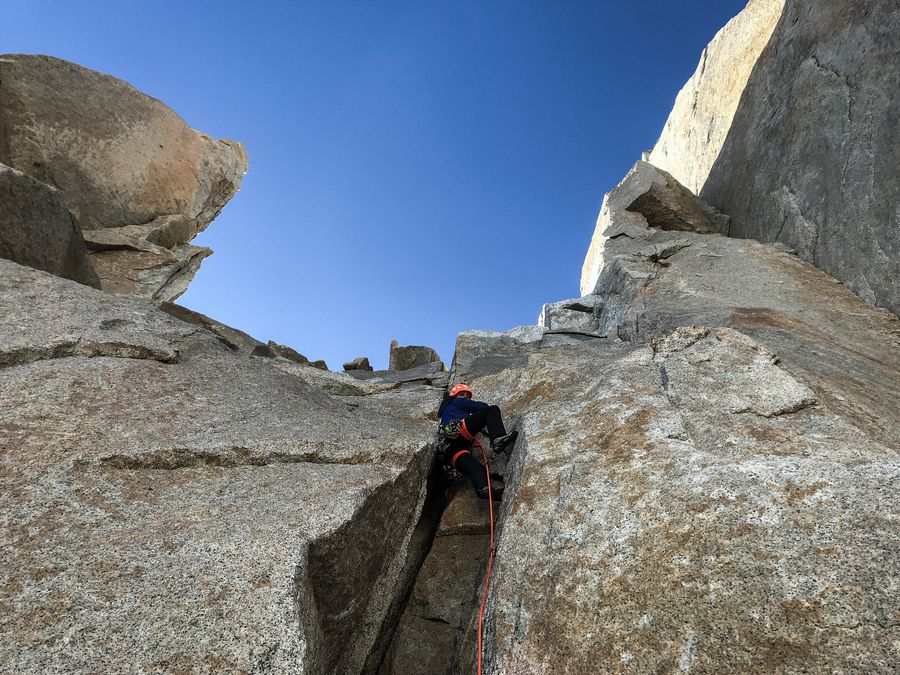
{"x":458,"y":408}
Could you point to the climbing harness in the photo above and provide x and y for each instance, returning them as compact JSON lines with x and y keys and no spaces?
{"x":490,"y":565}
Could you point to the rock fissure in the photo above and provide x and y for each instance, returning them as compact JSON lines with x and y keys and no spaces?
{"x":183,"y":458}
{"x":85,"y":348}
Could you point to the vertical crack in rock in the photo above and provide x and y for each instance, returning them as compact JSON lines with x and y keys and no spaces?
{"x":419,"y":547}
{"x":436,"y":634}
{"x":355,"y":572}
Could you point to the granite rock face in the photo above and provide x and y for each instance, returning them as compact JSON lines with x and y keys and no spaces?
{"x":710,"y":484}
{"x":711,"y":489}
{"x":125,"y":165}
{"x":704,"y":109}
{"x":809,"y":157}
{"x":646,"y":197}
{"x":37,"y":230}
{"x":171,"y":504}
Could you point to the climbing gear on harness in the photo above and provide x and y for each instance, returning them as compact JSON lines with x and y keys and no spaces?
{"x":450,"y":476}
{"x":456,"y":389}
{"x":504,"y":443}
{"x":451,"y":429}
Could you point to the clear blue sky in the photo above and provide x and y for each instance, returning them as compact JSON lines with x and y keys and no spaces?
{"x":417,"y":168}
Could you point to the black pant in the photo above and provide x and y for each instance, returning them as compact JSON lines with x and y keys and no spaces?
{"x":486,"y":417}
{"x":467,"y":465}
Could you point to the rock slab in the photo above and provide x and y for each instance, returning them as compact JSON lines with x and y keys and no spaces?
{"x":169,"y":504}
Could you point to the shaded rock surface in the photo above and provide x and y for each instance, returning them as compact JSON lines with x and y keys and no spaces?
{"x":434,"y":636}
{"x":37,"y":230}
{"x":647,"y":196}
{"x":171,"y":504}
{"x":123,"y":162}
{"x":809,"y":158}
{"x":152,"y":260}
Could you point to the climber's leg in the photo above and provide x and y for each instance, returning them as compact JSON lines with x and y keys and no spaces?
{"x":489,"y":418}
{"x":471,"y":467}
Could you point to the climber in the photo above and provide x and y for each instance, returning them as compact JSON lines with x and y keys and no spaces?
{"x":461,"y":420}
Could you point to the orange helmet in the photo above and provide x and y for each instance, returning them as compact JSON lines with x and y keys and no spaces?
{"x":457,"y":389}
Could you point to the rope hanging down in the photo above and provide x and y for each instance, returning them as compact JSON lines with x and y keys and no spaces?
{"x":490,"y":565}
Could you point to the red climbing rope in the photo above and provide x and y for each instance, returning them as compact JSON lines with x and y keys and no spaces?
{"x":490,"y":565}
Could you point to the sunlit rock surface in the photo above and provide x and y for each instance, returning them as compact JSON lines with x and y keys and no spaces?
{"x":713,"y":485}
{"x":120,"y":160}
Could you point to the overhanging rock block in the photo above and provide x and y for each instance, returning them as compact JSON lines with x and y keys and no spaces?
{"x":121,"y":160}
{"x":647,"y":198}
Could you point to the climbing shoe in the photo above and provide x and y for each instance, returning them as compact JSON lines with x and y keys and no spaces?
{"x":504,"y":443}
{"x":496,"y":493}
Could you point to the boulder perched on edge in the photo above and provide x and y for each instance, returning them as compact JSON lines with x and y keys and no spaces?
{"x":37,"y":230}
{"x":412,"y":356}
{"x":359,"y":363}
{"x":120,"y":159}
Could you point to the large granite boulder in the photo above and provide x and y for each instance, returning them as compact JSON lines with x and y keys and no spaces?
{"x":647,"y":196}
{"x":411,"y":356}
{"x":122,"y":160}
{"x":809,"y":157}
{"x":171,"y":505}
{"x":118,"y":156}
{"x":37,"y":230}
